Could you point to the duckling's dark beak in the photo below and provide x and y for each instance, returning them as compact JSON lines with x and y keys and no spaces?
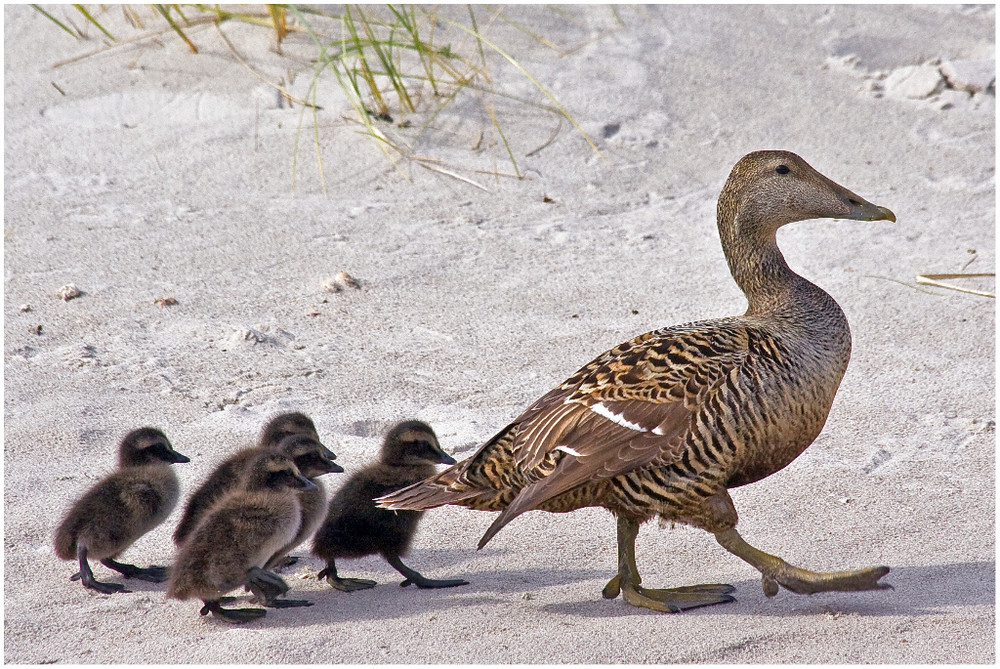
{"x":326,"y":451}
{"x":302,"y":484}
{"x":446,"y":459}
{"x":331,"y":466}
{"x":177,"y":458}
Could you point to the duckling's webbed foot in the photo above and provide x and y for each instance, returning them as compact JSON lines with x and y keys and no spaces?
{"x":417,"y":579}
{"x":343,"y":584}
{"x":266,"y":586}
{"x":670,"y":600}
{"x":153,"y":573}
{"x":776,"y":571}
{"x":86,"y":576}
{"x":234,"y":616}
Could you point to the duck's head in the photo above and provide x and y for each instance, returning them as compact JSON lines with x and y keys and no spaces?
{"x":412,"y":443}
{"x":146,"y":446}
{"x":768,"y":189}
{"x":275,"y":470}
{"x":311,"y":457}
{"x":287,"y":424}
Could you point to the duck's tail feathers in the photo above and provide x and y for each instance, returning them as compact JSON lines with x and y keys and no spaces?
{"x":427,"y":494}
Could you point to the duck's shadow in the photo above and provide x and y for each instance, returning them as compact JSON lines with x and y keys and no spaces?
{"x":917,"y":591}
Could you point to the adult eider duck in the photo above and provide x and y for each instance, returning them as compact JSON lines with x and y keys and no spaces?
{"x":664,"y":424}
{"x":238,"y":535}
{"x":120,"y":508}
{"x":355,"y":527}
{"x":309,"y":453}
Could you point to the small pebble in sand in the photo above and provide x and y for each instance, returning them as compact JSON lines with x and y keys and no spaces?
{"x":36,"y":329}
{"x":339,"y":282}
{"x":68,"y":292}
{"x":165,"y":301}
{"x":25,"y":308}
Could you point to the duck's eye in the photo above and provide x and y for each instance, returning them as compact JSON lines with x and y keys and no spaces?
{"x":782,"y":169}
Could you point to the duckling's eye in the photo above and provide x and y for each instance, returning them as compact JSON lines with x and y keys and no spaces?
{"x":782,"y":169}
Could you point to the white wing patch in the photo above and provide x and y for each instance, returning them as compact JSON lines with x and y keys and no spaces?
{"x":600,"y":409}
{"x":571,"y":451}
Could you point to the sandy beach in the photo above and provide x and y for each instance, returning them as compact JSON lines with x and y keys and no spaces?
{"x":160,"y":184}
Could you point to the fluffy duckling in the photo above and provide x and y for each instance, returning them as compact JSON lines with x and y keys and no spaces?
{"x":354,"y":527}
{"x":120,"y":508}
{"x":666,"y":423}
{"x":238,"y":535}
{"x":311,"y":457}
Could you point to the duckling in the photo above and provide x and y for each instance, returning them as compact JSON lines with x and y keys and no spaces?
{"x":238,"y":534}
{"x":354,"y":527}
{"x":664,"y":424}
{"x":228,"y":473}
{"x":312,"y":463}
{"x":120,"y":508}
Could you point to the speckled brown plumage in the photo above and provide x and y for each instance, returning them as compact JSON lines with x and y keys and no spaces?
{"x":663,"y":424}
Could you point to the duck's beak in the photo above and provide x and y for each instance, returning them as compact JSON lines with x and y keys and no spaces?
{"x":177,"y":458}
{"x":860,"y":209}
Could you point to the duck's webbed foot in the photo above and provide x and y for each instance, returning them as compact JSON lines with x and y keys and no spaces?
{"x":776,"y":571}
{"x":419,"y":580}
{"x":86,"y":576}
{"x":153,"y":573}
{"x":343,"y":584}
{"x":669,"y":600}
{"x":234,"y":616}
{"x":266,"y":586}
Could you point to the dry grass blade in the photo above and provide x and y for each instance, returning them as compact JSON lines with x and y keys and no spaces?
{"x":242,"y":60}
{"x":935,"y":280}
{"x":530,"y":77}
{"x":453,"y":175}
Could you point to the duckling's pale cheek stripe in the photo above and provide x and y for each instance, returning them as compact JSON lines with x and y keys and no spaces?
{"x":602,"y":410}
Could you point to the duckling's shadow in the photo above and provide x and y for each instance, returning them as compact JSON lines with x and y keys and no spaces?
{"x":388,"y":600}
{"x":917,"y":591}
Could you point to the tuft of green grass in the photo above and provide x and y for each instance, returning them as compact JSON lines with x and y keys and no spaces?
{"x":391,"y":61}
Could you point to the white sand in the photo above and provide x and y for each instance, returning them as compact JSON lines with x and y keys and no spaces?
{"x":162,"y":174}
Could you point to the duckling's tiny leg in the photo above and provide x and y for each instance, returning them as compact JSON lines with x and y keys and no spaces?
{"x":343,"y":584}
{"x":418,"y":579}
{"x":87,"y":576}
{"x":234,"y":616}
{"x":153,"y":573}
{"x":671,"y":600}
{"x":777,"y":572}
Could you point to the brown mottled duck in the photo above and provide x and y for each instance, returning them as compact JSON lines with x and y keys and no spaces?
{"x":120,"y":508}
{"x":355,"y":527}
{"x":664,"y":424}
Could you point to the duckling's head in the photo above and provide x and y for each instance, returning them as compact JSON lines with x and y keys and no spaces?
{"x":146,"y":446}
{"x":274,"y":470}
{"x":311,"y":457}
{"x":768,"y":189}
{"x":413,"y":443}
{"x":286,"y":424}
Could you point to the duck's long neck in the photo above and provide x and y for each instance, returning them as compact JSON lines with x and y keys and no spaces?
{"x":760,"y":270}
{"x":757,"y":266}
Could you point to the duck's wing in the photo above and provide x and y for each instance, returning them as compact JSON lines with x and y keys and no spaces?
{"x":628,"y":408}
